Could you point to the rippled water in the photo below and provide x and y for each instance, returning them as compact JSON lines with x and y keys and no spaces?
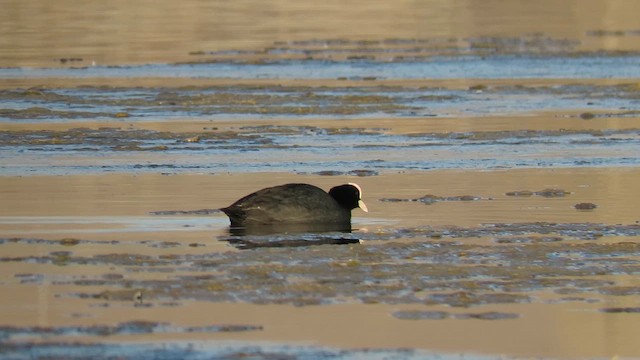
{"x":264,"y":101}
{"x":497,"y":143}
{"x":359,"y":153}
{"x":495,"y":67}
{"x":599,"y":118}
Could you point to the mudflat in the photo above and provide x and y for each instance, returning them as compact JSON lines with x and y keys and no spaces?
{"x":486,"y":255}
{"x":496,"y":146}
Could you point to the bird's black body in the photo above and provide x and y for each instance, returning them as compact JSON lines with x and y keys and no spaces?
{"x":292,"y":204}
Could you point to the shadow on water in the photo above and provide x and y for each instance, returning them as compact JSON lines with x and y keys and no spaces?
{"x":289,"y":235}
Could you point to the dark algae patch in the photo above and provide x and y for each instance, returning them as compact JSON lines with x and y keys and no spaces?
{"x":44,"y":113}
{"x":216,"y":146}
{"x":441,"y":315}
{"x":621,"y":310}
{"x":367,"y":99}
{"x":398,"y":49}
{"x":126,"y":328}
{"x":185,"y":212}
{"x":198,"y":350}
{"x":466,"y":299}
{"x":214,"y":149}
{"x":548,"y":193}
{"x":135,"y":102}
{"x":585,"y":206}
{"x":431,"y":199}
{"x":447,"y":266}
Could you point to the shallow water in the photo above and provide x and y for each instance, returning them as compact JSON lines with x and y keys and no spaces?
{"x":153,"y":250}
{"x":496,"y":143}
{"x":405,"y":128}
{"x":360,"y":153}
{"x":517,"y":67}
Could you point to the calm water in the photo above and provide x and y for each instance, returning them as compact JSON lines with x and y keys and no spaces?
{"x":457,"y":102}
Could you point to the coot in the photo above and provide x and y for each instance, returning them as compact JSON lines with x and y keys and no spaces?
{"x":296,"y":204}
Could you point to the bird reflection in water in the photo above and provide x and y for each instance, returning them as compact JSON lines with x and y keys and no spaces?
{"x":289,"y":235}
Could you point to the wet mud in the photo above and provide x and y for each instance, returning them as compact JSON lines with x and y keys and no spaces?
{"x":440,"y":315}
{"x":453,"y":274}
{"x":133,"y":327}
{"x":204,"y":350}
{"x":520,"y":133}
{"x":397,"y":49}
{"x":430,"y":199}
{"x":360,"y":150}
{"x":446,"y":263}
{"x":337,"y":100}
{"x":436,"y":268}
{"x":373,"y":129}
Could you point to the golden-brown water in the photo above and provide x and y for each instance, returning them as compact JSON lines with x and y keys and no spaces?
{"x":108,"y":233}
{"x":36,"y":33}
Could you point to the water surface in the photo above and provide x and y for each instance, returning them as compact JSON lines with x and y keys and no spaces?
{"x":496,"y":143}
